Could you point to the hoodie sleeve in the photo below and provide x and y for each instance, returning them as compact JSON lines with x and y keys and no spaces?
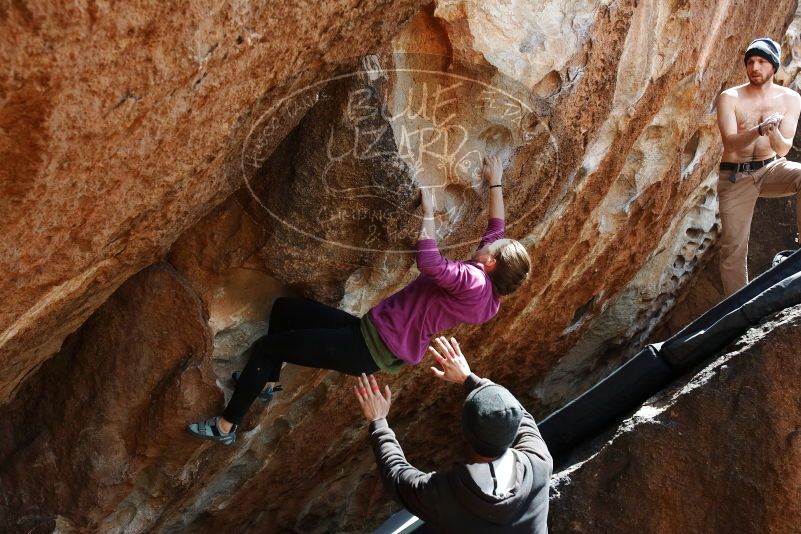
{"x":529,"y":440}
{"x":415,"y":490}
{"x":474,"y":381}
{"x":455,"y":277}
{"x":494,"y":232}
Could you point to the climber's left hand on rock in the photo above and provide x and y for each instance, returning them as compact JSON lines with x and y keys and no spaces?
{"x":428,"y":201}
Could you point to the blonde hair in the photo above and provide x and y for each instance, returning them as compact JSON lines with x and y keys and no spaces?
{"x":511,"y":267}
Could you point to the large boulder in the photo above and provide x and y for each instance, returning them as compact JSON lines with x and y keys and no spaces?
{"x":602,"y":112}
{"x":717,"y":452}
{"x":122,"y":125}
{"x":95,"y":439}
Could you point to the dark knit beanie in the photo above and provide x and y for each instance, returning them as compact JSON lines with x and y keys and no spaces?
{"x":765,"y":48}
{"x":490,"y":419}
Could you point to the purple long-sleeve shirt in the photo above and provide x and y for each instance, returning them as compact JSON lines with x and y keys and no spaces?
{"x":446,"y":293}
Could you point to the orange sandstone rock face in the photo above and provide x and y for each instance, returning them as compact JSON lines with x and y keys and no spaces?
{"x":94,"y":439}
{"x":602,"y":111}
{"x":123,"y":126}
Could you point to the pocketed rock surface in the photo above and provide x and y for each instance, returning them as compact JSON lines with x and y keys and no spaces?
{"x":162,"y":144}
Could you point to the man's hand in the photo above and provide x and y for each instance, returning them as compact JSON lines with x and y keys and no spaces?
{"x":454,"y":365}
{"x":771,"y":126}
{"x":771,"y":130}
{"x":771,"y":123}
{"x":374,"y":405}
{"x":492,"y":170}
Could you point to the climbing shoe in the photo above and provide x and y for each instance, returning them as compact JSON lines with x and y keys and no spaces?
{"x":209,"y":430}
{"x":266,"y":395}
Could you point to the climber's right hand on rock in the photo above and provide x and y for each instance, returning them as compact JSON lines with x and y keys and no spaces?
{"x":454,"y":364}
{"x":492,"y":170}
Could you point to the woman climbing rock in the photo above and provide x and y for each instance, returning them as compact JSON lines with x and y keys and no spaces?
{"x":394,"y":333}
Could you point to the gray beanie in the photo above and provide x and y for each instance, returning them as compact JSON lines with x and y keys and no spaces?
{"x":490,"y":419}
{"x":765,"y":48}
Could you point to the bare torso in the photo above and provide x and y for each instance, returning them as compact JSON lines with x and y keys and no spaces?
{"x":750,"y":109}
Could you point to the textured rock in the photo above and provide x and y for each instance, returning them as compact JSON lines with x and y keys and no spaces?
{"x":773,"y":229}
{"x":632,"y":315}
{"x":95,"y":438}
{"x":602,"y":112}
{"x":729,"y":435}
{"x":613,"y":173}
{"x":126,"y":125}
{"x":618,"y":218}
{"x":791,"y":54}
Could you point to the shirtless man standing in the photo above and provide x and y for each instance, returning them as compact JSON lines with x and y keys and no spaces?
{"x":757,"y":123}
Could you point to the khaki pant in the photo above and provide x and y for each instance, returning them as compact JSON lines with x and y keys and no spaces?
{"x":779,"y":178}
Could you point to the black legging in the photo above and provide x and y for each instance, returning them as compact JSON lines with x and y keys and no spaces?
{"x":303,"y":332}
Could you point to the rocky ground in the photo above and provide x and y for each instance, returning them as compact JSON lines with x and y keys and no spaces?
{"x":717,"y":452}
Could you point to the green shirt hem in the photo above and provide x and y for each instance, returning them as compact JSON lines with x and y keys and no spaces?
{"x":383,"y":357}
